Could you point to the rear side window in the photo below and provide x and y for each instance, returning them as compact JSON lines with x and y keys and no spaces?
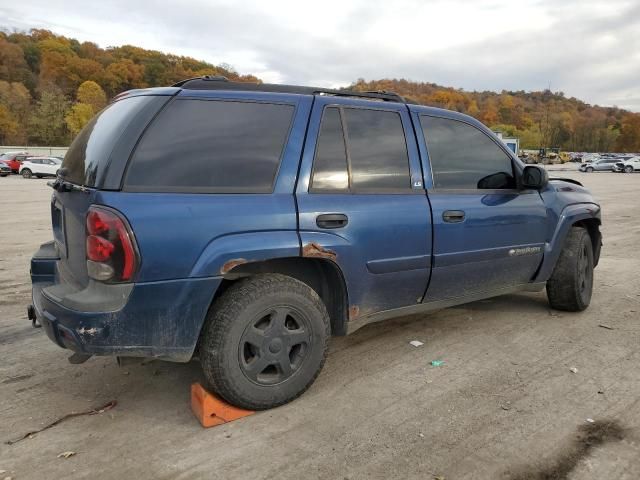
{"x":207,"y":146}
{"x":92,"y":146}
{"x":463,"y":157}
{"x":376,"y":151}
{"x":330,"y":165}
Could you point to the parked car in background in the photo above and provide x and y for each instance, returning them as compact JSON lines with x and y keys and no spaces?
{"x":40,"y":167}
{"x":601,"y":165}
{"x":14,"y":159}
{"x":628,"y":165}
{"x":4,"y":169}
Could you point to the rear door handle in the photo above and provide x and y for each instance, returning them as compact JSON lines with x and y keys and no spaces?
{"x":332,"y":220}
{"x":453,"y":216}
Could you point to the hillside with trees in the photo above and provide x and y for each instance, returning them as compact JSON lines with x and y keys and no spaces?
{"x":51,"y":85}
{"x":539,"y":119}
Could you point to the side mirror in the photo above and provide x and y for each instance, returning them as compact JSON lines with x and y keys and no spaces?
{"x":534,"y":176}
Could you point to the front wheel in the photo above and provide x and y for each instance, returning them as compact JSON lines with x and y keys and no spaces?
{"x":26,"y":173}
{"x":628,"y":169}
{"x":589,"y":169}
{"x":265,"y":341}
{"x":571,"y":283}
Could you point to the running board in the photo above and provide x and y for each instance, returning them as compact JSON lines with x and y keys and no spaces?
{"x":426,"y":307}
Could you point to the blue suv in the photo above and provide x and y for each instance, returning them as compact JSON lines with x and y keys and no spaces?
{"x":244,"y":224}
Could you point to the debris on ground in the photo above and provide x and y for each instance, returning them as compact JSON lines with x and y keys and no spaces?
{"x":573,"y":370}
{"x":506,"y":406}
{"x":66,"y":454}
{"x":608,"y":327}
{"x":601,"y":392}
{"x":421,"y":435}
{"x":416,"y":343}
{"x":590,"y":420}
{"x":437,"y":363}
{"x":94,"y":411}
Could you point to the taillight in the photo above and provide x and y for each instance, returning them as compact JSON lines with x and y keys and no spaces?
{"x":111,"y":251}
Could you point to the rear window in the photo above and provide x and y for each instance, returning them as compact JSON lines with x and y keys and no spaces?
{"x":93,"y":145}
{"x":209,"y":146}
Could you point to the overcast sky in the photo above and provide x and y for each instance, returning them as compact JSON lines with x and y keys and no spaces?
{"x":587,"y":49}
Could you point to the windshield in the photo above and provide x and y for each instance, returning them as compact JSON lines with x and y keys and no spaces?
{"x":93,"y":145}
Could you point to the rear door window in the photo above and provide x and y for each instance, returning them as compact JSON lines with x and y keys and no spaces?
{"x":377,"y":150}
{"x":375,"y":159}
{"x":209,"y":146}
{"x":330,"y":164}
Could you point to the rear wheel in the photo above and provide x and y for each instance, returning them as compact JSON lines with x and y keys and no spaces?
{"x":571,"y":283}
{"x":265,"y":341}
{"x":628,"y":169}
{"x":26,"y":173}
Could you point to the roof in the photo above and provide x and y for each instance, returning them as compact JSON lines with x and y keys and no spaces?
{"x":222,"y":83}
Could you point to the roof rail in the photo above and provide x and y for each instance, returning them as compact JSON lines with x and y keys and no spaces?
{"x":209,"y":82}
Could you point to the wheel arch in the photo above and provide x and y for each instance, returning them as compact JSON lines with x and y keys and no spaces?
{"x":586,"y":215}
{"x":322,"y":275}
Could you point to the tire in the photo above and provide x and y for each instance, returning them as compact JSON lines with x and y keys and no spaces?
{"x":589,"y":170}
{"x":26,"y":173}
{"x":571,"y":283}
{"x":265,"y":341}
{"x":628,"y":169}
{"x":4,"y":175}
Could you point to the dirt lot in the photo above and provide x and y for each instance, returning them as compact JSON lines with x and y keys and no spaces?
{"x":504,"y":405}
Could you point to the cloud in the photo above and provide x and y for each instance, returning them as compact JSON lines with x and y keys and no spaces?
{"x":588,"y":49}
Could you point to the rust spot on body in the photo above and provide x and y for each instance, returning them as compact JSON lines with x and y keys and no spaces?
{"x":315,"y":250}
{"x":354,"y":311}
{"x":231,"y":264}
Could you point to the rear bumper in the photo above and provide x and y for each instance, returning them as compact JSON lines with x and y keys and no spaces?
{"x":154,"y":319}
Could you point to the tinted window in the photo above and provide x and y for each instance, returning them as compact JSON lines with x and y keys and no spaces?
{"x":463,"y":157}
{"x":206,"y":146}
{"x":377,"y":149}
{"x":330,"y":164}
{"x":93,"y":145}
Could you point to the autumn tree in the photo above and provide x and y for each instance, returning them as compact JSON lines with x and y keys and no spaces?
{"x":47,"y":121}
{"x":90,"y":93}
{"x":16,"y":99}
{"x":629,"y":139}
{"x":8,"y":126}
{"x":78,"y":117}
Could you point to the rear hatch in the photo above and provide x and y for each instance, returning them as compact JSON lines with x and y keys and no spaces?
{"x":95,"y":160}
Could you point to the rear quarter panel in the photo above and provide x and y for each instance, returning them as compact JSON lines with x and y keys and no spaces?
{"x":187,"y":235}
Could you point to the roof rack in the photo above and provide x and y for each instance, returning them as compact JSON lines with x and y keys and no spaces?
{"x":208,"y":82}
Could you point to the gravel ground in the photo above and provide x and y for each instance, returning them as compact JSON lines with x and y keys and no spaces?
{"x":505,"y":404}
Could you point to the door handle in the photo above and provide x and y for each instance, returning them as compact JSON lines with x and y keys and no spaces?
{"x":332,"y":220}
{"x":453,"y":216}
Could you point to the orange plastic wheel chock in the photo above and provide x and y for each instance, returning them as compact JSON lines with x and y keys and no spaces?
{"x":211,"y":410}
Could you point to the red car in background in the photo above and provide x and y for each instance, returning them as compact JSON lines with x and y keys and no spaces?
{"x":14,"y":159}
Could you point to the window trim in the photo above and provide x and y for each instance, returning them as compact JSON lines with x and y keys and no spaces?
{"x":209,"y":190}
{"x":350,"y":190}
{"x":468,"y":191}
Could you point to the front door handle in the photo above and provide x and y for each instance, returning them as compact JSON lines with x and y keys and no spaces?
{"x":332,"y":220}
{"x":453,"y":216}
